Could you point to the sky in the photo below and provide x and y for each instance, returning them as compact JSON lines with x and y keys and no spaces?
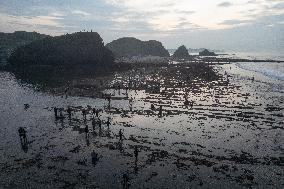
{"x":230,"y":25}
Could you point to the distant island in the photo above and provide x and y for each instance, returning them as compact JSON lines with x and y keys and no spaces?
{"x":10,"y":41}
{"x":190,"y":50}
{"x":206,"y":52}
{"x":129,"y":46}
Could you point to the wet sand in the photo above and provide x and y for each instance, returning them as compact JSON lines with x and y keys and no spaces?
{"x":232,"y":136}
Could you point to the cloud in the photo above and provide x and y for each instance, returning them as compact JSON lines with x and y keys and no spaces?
{"x":149,"y":19}
{"x":225,"y":4}
{"x":279,"y":6}
{"x":235,"y":22}
{"x":80,"y":13}
{"x":48,"y":24}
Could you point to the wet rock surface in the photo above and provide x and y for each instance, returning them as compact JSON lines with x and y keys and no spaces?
{"x":229,"y":134}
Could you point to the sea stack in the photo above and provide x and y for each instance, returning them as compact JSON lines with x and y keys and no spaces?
{"x":181,"y":53}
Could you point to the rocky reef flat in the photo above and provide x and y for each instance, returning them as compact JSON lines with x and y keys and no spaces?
{"x":192,"y":129}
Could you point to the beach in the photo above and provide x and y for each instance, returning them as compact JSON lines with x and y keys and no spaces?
{"x":231,"y":136}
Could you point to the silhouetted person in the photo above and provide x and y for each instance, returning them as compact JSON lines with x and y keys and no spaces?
{"x":136,"y":153}
{"x":125,"y":181}
{"x":130,"y":107}
{"x":120,"y":134}
{"x":23,"y":135}
{"x":191,"y":104}
{"x":84,"y":114}
{"x":25,"y":147}
{"x":87,"y":130}
{"x":100,"y":130}
{"x":186,"y":102}
{"x":108,"y":122}
{"x":66,"y":92}
{"x":152,"y":107}
{"x":55,"y":112}
{"x":252,"y":79}
{"x":95,"y":158}
{"x":94,"y":124}
{"x":26,"y":106}
{"x":97,"y":113}
{"x":94,"y":111}
{"x":100,"y":127}
{"x":118,"y":89}
{"x":69,"y":111}
{"x":61,"y":114}
{"x":87,"y":140}
{"x":108,"y":99}
{"x":161,"y":110}
{"x":100,"y":123}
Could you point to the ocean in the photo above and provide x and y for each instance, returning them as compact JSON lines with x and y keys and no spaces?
{"x":272,"y":70}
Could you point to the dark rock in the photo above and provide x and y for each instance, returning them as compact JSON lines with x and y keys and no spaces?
{"x":128,"y":47}
{"x":181,"y":52}
{"x":207,"y":53}
{"x":82,"y":48}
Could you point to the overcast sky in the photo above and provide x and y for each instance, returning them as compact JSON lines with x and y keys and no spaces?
{"x":233,"y":25}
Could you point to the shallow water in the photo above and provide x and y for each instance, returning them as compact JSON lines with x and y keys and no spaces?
{"x":272,"y":70}
{"x":232,"y":137}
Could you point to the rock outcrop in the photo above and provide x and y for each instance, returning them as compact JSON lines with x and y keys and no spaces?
{"x":207,"y":53}
{"x":82,"y":48}
{"x":181,"y":53}
{"x":128,"y":47}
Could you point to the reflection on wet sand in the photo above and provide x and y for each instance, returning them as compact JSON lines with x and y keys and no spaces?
{"x":152,"y":129}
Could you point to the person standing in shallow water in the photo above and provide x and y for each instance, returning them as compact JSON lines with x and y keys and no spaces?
{"x":108,"y":122}
{"x":191,"y":104}
{"x":69,"y":111}
{"x":23,"y":135}
{"x":152,"y":107}
{"x":161,"y":110}
{"x":100,"y":127}
{"x":97,"y":113}
{"x":94,"y":111}
{"x":94,"y":124}
{"x":84,"y":114}
{"x":186,"y":102}
{"x":55,"y":112}
{"x":120,"y":134}
{"x":87,"y":130}
{"x":125,"y":181}
{"x":108,"y":98}
{"x":136,"y":153}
